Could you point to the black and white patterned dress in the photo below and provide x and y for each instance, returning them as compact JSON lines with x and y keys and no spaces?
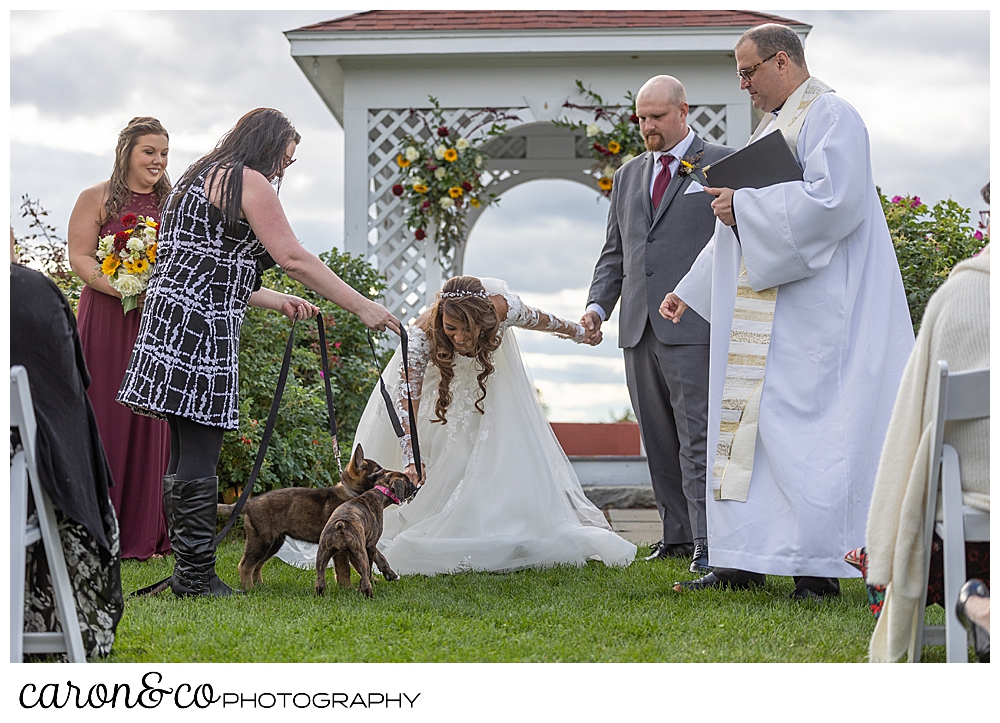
{"x":186,"y":359}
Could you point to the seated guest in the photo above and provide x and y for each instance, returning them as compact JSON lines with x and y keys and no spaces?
{"x":71,"y":464}
{"x":955,"y":328}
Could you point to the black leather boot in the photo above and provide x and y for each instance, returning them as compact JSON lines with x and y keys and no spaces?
{"x":168,"y":505}
{"x":194,"y":512}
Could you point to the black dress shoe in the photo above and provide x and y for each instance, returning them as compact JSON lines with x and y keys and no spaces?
{"x":699,"y":559}
{"x":662,"y":552}
{"x":719,"y":577}
{"x":980,"y":637}
{"x":815,"y":588}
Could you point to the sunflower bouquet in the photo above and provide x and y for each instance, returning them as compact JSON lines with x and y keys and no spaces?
{"x":127,"y":257}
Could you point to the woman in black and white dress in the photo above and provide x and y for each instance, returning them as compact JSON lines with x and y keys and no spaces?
{"x":221,"y":220}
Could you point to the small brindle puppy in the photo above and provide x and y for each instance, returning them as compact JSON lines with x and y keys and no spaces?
{"x":297,"y":512}
{"x":352,"y":532}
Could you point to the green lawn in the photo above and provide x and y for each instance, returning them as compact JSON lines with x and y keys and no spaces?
{"x":564,"y":614}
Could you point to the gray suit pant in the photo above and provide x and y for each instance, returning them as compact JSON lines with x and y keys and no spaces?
{"x":669,"y":390}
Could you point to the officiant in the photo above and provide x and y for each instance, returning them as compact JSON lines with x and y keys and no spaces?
{"x":810,"y":335}
{"x":655,"y":230}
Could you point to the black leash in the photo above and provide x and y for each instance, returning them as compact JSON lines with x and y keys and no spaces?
{"x":265,"y":440}
{"x":393,"y":417}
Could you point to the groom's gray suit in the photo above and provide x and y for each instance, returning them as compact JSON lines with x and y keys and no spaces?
{"x":666,"y":365}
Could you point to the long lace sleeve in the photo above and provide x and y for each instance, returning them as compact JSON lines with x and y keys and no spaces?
{"x":419,"y":355}
{"x":528,"y":317}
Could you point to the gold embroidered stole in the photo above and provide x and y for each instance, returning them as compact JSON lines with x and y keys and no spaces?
{"x":750,"y":337}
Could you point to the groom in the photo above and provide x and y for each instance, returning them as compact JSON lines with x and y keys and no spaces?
{"x":655,"y":231}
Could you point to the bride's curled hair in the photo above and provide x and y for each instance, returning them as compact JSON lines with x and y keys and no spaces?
{"x":464,"y":299}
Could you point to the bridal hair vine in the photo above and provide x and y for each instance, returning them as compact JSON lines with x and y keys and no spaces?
{"x":462,"y":294}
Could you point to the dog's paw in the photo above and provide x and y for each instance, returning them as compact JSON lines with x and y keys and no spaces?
{"x":390,"y":576}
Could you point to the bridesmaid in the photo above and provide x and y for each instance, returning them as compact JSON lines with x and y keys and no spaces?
{"x":137,"y":448}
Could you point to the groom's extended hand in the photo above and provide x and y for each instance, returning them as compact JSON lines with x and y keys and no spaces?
{"x":592,"y":324}
{"x":672,"y":308}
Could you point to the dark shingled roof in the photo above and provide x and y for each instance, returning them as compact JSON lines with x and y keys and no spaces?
{"x":405,"y":20}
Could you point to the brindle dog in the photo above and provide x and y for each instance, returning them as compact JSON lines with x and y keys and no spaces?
{"x":352,"y":532}
{"x":297,"y":512}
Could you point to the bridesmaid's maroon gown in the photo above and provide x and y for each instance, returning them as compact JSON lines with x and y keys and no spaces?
{"x":137,"y":448}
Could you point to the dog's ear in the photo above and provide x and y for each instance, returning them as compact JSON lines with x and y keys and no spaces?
{"x":358,"y":460}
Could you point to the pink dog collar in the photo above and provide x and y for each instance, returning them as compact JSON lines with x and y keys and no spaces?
{"x":388,"y":493}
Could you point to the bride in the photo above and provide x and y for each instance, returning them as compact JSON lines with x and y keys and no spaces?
{"x":499,"y":493}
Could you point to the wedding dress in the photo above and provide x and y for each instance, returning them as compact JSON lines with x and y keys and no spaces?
{"x":500,"y":493}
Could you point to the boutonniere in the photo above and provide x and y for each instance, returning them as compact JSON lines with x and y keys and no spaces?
{"x":690,"y":164}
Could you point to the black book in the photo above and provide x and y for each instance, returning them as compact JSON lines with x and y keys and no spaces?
{"x":763,"y":163}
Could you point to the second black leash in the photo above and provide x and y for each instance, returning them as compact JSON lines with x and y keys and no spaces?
{"x":393,"y":417}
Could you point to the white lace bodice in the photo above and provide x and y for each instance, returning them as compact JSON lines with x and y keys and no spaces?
{"x":519,"y":315}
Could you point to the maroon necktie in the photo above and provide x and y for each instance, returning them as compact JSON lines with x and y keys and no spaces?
{"x":662,"y":180}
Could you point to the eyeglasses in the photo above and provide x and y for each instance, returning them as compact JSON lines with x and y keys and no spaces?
{"x":289,"y":161}
{"x":747,"y":73}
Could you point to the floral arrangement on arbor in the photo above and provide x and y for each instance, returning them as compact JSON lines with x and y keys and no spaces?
{"x":441,"y":171}
{"x":612,"y":148}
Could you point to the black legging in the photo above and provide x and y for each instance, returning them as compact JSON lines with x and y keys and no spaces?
{"x":194,"y":448}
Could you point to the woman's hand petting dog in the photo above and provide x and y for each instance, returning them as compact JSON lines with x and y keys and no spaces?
{"x":411,"y":472}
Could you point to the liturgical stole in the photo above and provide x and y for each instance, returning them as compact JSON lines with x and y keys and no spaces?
{"x":750,"y":336}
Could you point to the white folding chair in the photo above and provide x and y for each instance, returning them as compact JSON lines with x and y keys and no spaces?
{"x":24,"y":478}
{"x":961,"y":396}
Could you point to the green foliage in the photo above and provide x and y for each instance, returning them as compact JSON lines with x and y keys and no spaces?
{"x":928,"y":243}
{"x":301,"y":453}
{"x":43,"y":249}
{"x":612,"y":147}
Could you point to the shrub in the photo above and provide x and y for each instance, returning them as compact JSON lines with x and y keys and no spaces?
{"x":928,"y":243}
{"x":44,"y":250}
{"x":300,"y":453}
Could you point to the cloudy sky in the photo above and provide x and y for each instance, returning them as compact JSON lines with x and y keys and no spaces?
{"x":920,"y":79}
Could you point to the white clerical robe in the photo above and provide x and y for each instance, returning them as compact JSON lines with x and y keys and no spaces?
{"x":839,"y":342}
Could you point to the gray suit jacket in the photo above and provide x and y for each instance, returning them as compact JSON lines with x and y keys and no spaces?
{"x":646,"y":254}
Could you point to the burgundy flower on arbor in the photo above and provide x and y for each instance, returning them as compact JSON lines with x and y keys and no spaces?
{"x":443,"y":131}
{"x":466,"y":186}
{"x":397,"y":190}
{"x":633,"y":118}
{"x":458,"y":202}
{"x":129,"y":220}
{"x":420,"y":234}
{"x":425,"y":204}
{"x":431,"y":166}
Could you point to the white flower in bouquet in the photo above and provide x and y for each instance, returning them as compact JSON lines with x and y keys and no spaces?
{"x":127,"y":284}
{"x":439,"y":173}
{"x":446,"y":202}
{"x":105,"y":246}
{"x":461,"y":144}
{"x":150,"y":234}
{"x":411,"y":154}
{"x":136,"y":245}
{"x":440,"y":151}
{"x":592,"y":130}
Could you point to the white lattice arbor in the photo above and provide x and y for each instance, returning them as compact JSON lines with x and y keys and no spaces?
{"x":371,"y":68}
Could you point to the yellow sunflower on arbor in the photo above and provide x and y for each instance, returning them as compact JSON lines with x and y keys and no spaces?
{"x":455,"y":191}
{"x":451,"y":155}
{"x":110,"y":264}
{"x":474,"y":202}
{"x":614,"y":146}
{"x":402,"y":161}
{"x":605,"y":184}
{"x":419,"y":188}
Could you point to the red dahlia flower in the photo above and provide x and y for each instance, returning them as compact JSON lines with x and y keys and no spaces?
{"x":466,"y":186}
{"x":420,"y":234}
{"x":121,"y":238}
{"x":397,"y":190}
{"x":443,"y":131}
{"x":129,"y":220}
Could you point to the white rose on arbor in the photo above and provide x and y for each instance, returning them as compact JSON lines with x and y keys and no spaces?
{"x":592,"y":130}
{"x":439,"y":152}
{"x":439,"y":173}
{"x":411,"y":154}
{"x":446,"y":202}
{"x":461,"y":144}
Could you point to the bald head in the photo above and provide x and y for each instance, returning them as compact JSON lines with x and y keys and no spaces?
{"x":665,"y":88}
{"x":661,"y":105}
